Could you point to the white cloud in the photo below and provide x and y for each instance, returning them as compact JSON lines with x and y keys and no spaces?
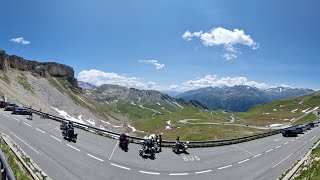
{"x":214,"y":81}
{"x":223,"y":37}
{"x":229,"y":56}
{"x":151,"y":85}
{"x":153,"y":62}
{"x":20,"y":40}
{"x":98,"y":78}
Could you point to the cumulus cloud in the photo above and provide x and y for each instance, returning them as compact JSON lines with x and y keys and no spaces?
{"x":223,"y":37}
{"x":214,"y":81}
{"x":153,"y":62}
{"x":151,"y":85}
{"x":98,"y":78}
{"x":20,"y":40}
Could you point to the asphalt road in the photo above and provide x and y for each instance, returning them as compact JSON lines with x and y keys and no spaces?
{"x":97,"y":157}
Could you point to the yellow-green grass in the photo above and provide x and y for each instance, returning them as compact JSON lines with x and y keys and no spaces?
{"x":190,"y":132}
{"x":23,"y":81}
{"x":313,"y":171}
{"x":157,"y":125}
{"x":264,"y":114}
{"x":16,"y":167}
{"x":308,"y":118}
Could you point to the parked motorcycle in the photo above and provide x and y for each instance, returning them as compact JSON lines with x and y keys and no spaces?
{"x":180,"y":146}
{"x":123,"y":142}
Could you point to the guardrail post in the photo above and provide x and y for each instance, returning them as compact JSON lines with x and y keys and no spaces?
{"x":3,"y":172}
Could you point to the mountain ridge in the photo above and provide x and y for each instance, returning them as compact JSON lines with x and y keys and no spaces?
{"x":240,"y":98}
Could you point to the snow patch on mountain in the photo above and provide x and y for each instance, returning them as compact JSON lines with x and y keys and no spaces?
{"x":134,"y":129}
{"x":91,"y":121}
{"x":65,"y":115}
{"x":177,"y":104}
{"x":304,"y":111}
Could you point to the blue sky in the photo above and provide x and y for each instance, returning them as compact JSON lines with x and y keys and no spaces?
{"x":117,"y":39}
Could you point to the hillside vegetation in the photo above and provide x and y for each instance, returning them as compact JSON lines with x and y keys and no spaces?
{"x":279,"y":111}
{"x":311,"y":168}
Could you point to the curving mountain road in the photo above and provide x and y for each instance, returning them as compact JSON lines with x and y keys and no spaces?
{"x":97,"y":157}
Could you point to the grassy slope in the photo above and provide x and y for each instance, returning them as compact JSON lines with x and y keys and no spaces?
{"x":18,"y":171}
{"x":157,"y":124}
{"x":306,"y":119}
{"x":283,"y":113}
{"x":313,"y":171}
{"x":23,"y":81}
{"x":79,"y":98}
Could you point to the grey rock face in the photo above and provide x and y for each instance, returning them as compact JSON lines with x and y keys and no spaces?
{"x":42,"y":69}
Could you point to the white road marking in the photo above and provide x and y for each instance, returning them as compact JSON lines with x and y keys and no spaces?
{"x":297,"y":137}
{"x":95,"y":157}
{"x":73,"y":147}
{"x":278,"y":139}
{"x":285,"y":143}
{"x":55,"y":138}
{"x":178,"y":174}
{"x":243,"y":161}
{"x":146,"y":172}
{"x":243,"y":149}
{"x":224,"y":167}
{"x":5,"y":115}
{"x":278,"y":146}
{"x":40,"y":130}
{"x":256,"y":155}
{"x":200,"y":172}
{"x":312,"y":138}
{"x":269,"y":150}
{"x":27,"y":124}
{"x":113,"y":151}
{"x":120,"y":166}
{"x":15,"y":118}
{"x":25,"y":143}
{"x":292,"y":140}
{"x":282,"y":160}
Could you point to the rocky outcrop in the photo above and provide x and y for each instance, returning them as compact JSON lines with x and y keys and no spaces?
{"x":43,"y":69}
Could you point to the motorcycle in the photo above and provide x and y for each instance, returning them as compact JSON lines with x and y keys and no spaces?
{"x":68,"y":131}
{"x":123,"y":142}
{"x":69,"y":135}
{"x":180,"y":146}
{"x":148,"y":148}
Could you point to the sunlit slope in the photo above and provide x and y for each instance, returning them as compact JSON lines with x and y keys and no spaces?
{"x":279,"y":111}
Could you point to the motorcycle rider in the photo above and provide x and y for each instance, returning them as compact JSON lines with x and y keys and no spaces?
{"x":68,"y":129}
{"x":160,"y":142}
{"x":178,"y":142}
{"x":123,"y":139}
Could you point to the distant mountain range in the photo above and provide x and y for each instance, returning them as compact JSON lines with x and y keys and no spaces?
{"x":240,"y":98}
{"x":85,"y":85}
{"x":113,"y":95}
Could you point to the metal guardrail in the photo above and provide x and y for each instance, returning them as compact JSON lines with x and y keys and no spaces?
{"x":165,"y":143}
{"x":5,"y":170}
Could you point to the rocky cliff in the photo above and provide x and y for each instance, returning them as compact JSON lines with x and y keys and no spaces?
{"x":43,"y":69}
